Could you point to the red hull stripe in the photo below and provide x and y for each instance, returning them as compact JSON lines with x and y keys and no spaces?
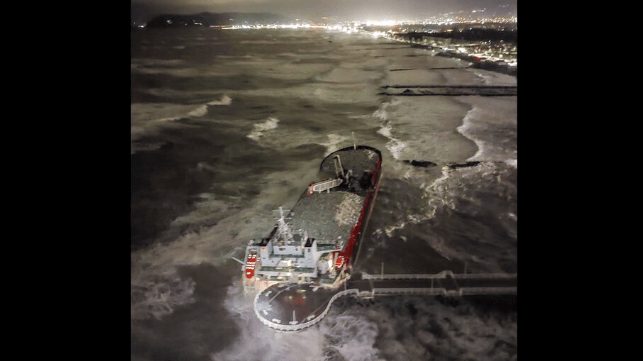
{"x":357,"y":228}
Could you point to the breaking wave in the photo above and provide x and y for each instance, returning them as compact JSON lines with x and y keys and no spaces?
{"x":225,"y":100}
{"x":260,"y":128}
{"x":381,"y":112}
{"x":258,"y":342}
{"x":334,"y":141}
{"x":394,"y":145}
{"x":488,"y":186}
{"x":148,"y":118}
{"x":484,"y":125}
{"x":156,"y":286}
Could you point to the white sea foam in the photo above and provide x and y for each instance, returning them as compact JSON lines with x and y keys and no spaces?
{"x":389,"y":230}
{"x":394,"y":145}
{"x":385,"y":330}
{"x":334,"y":142}
{"x":437,"y":193}
{"x":457,"y":332}
{"x":351,"y":335}
{"x":159,"y":296}
{"x":346,"y":74}
{"x":157,"y":289}
{"x":465,"y":129}
{"x":494,"y":78}
{"x":422,"y":128}
{"x":258,"y":342}
{"x":178,"y":67}
{"x":355,"y":94}
{"x":491,"y":124}
{"x":463,"y":186}
{"x":147,"y":118}
{"x":225,"y":100}
{"x":260,"y":128}
{"x":414,"y":77}
{"x":209,"y":208}
{"x":199,"y":111}
{"x":142,"y":113}
{"x":283,"y":68}
{"x":381,"y":113}
{"x":462,"y":76}
{"x":512,"y":162}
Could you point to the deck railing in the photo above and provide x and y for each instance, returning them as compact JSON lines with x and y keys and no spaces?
{"x":443,"y":274}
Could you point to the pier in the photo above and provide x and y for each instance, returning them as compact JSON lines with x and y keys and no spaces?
{"x":449,"y":90}
{"x":293,"y":307}
{"x":445,"y":283}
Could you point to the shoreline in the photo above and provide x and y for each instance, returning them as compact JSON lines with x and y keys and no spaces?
{"x":476,"y":62}
{"x":482,"y":64}
{"x":476,"y":151}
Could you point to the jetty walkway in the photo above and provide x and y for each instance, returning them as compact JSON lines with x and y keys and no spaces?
{"x":449,"y":90}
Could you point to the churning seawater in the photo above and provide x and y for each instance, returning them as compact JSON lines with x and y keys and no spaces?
{"x":229,"y":125}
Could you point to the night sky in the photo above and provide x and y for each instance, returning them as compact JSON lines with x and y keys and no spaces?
{"x":143,"y":10}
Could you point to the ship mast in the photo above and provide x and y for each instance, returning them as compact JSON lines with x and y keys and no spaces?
{"x":283,"y":227}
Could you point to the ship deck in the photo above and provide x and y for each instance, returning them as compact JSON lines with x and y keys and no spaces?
{"x":327,"y":216}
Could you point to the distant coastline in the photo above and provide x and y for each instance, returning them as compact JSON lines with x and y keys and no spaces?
{"x":419,"y":40}
{"x":213,"y":19}
{"x":415,"y":38}
{"x":476,"y":62}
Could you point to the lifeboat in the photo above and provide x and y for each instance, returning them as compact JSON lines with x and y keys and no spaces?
{"x":250,"y":265}
{"x":339,"y":263}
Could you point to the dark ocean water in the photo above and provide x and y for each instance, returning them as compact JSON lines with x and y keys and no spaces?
{"x":229,"y":125}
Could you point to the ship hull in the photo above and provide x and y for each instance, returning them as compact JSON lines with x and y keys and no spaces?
{"x":294,"y":290}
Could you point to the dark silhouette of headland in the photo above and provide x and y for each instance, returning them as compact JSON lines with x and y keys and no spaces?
{"x":214,"y":19}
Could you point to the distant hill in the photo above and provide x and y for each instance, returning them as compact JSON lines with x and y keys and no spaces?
{"x":208,"y":19}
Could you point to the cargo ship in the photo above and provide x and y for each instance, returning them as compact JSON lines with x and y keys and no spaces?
{"x":302,"y":264}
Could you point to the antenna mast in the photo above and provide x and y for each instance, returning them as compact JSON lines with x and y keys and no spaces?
{"x":283,"y":227}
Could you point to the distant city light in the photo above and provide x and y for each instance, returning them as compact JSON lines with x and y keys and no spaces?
{"x":272,"y":26}
{"x":381,"y":23}
{"x":497,"y":53}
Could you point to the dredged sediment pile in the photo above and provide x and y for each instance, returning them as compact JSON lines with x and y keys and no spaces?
{"x":326,"y":216}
